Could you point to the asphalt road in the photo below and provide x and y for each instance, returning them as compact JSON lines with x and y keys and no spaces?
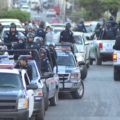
{"x":101,"y":100}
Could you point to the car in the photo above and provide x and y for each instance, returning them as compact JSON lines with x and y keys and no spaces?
{"x":25,"y":8}
{"x":69,"y":74}
{"x":82,"y":51}
{"x":7,"y":22}
{"x":16,"y":96}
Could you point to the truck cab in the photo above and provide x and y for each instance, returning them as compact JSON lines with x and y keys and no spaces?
{"x":16,"y":96}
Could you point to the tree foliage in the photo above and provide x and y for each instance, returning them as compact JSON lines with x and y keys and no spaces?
{"x":97,"y":7}
{"x":17,"y":14}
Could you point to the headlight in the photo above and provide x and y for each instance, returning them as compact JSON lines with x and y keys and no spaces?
{"x":75,"y":76}
{"x":23,"y":103}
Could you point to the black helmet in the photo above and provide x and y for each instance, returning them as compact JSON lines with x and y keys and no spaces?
{"x":43,"y":52}
{"x":68,"y":25}
{"x":38,"y":40}
{"x":12,"y":25}
{"x":23,"y":58}
{"x":42,"y":24}
{"x":30,"y":35}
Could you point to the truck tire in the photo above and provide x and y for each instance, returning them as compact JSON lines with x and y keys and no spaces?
{"x":116,"y":74}
{"x":78,"y":94}
{"x":41,"y":114}
{"x":54,"y":99}
{"x":98,"y":61}
{"x":46,"y":102}
{"x":91,"y":62}
{"x":84,"y":72}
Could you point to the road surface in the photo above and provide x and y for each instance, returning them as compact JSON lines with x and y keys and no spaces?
{"x":100,"y":102}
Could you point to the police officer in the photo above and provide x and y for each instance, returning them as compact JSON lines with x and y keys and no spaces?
{"x":81,"y":27}
{"x":29,"y":29}
{"x":23,"y":64}
{"x":44,"y":61}
{"x":53,"y":55}
{"x":40,"y":31}
{"x":67,"y":35}
{"x":38,"y":42}
{"x":30,"y":41}
{"x":11,"y":36}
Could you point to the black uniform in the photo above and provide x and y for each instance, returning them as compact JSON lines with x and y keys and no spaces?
{"x":11,"y":37}
{"x":27,"y":67}
{"x":67,"y":36}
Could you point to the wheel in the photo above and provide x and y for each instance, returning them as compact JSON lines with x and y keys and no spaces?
{"x":116,"y":74}
{"x":98,"y":61}
{"x":46,"y":103}
{"x":78,"y":94}
{"x":41,"y":114}
{"x":84,"y":72}
{"x":91,"y":62}
{"x":54,"y":99}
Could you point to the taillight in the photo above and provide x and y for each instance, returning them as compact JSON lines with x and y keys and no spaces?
{"x":100,"y":45}
{"x":114,"y":57}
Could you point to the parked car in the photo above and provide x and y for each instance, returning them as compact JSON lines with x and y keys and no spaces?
{"x":69,"y":74}
{"x":6,"y":22}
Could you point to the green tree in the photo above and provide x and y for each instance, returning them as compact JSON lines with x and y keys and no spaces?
{"x":111,"y":5}
{"x":93,"y":8}
{"x":15,"y":13}
{"x":96,"y":8}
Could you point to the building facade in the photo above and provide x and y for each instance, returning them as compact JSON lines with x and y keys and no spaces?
{"x":6,"y":4}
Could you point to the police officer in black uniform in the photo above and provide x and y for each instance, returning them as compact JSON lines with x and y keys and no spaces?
{"x":23,"y":64}
{"x":53,"y":55}
{"x":30,"y":41}
{"x":67,"y":35}
{"x":40,"y":31}
{"x":44,"y":61}
{"x":11,"y":36}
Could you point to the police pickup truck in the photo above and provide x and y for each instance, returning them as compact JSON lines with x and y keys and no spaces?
{"x":16,"y":96}
{"x":101,"y":50}
{"x":69,"y":74}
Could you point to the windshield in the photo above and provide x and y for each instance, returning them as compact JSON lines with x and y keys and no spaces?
{"x":57,"y":31}
{"x":9,"y":80}
{"x":65,"y":60}
{"x":78,"y":39}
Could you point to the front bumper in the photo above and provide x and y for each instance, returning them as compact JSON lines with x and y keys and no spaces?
{"x":69,"y":86}
{"x":18,"y":115}
{"x":38,"y":105}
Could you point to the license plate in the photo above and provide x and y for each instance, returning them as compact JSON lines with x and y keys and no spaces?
{"x":66,"y":85}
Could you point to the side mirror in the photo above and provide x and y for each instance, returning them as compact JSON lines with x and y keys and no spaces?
{"x":32,"y":87}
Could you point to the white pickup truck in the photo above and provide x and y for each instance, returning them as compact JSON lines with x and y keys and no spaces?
{"x":101,"y":50}
{"x":116,"y":64}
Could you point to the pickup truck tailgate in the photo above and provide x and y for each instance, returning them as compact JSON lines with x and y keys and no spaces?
{"x":106,"y":45}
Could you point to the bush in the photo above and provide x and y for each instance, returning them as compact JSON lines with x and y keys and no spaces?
{"x":16,"y":14}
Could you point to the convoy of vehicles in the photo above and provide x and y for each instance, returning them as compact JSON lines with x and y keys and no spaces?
{"x":23,"y":98}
